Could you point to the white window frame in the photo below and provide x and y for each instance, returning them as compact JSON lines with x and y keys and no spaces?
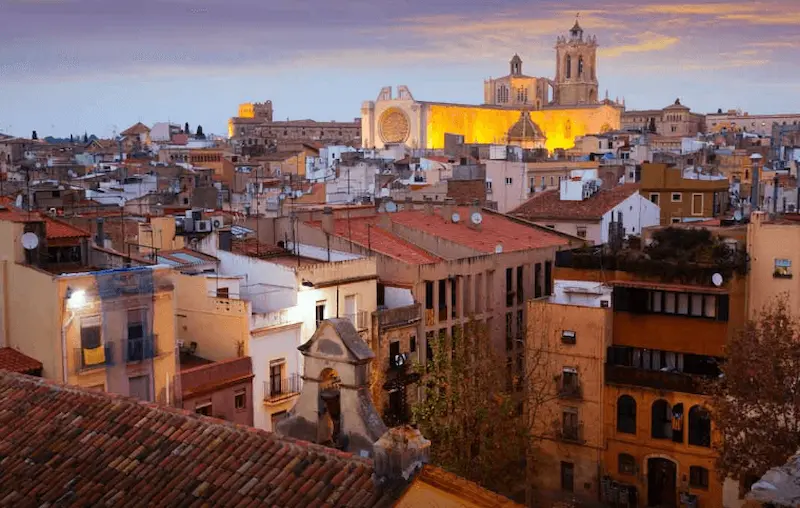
{"x":702,"y":203}
{"x":672,"y":197}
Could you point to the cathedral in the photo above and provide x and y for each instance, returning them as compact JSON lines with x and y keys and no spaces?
{"x":532,"y":112}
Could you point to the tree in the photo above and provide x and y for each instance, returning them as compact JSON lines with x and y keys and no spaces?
{"x":475,"y":413}
{"x":199,"y":133}
{"x":71,"y":139}
{"x":757,"y":399}
{"x":34,"y":136}
{"x":85,"y":137}
{"x":186,"y":128}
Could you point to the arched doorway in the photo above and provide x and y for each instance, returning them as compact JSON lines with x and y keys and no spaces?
{"x":330,"y":424}
{"x":661,"y":483}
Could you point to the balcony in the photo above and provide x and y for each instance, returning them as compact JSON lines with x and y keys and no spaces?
{"x":141,"y":349}
{"x":360,"y":320}
{"x":660,"y":380}
{"x":399,"y":316}
{"x":570,"y":391}
{"x":94,"y":358}
{"x":570,"y":433}
{"x":277,"y":390}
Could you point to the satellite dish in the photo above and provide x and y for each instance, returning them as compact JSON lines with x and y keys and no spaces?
{"x":30,"y":241}
{"x":455,"y":217}
{"x":476,"y":218}
{"x":391,"y":207}
{"x":716,"y":279}
{"x":737,"y":215}
{"x":498,"y":248}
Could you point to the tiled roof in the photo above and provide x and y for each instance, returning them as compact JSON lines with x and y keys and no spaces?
{"x":137,"y":128}
{"x":495,"y":229}
{"x":65,"y":446}
{"x":14,"y":361}
{"x":366,"y":233}
{"x":253,"y":248}
{"x":548,"y":204}
{"x":55,"y":228}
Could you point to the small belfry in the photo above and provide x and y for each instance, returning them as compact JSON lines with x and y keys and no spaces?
{"x":576,"y":68}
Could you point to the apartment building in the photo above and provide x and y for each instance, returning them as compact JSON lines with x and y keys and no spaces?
{"x":773,"y":248}
{"x":89,"y":316}
{"x":684,"y":194}
{"x":657,"y":430}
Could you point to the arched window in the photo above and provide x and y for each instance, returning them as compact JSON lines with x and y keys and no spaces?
{"x":580,"y":67}
{"x":699,"y":427}
{"x":626,"y":464}
{"x":677,"y":423}
{"x":626,"y":414}
{"x":661,"y":420}
{"x":568,"y":65}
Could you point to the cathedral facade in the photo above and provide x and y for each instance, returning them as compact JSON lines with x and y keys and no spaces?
{"x":518,"y":109}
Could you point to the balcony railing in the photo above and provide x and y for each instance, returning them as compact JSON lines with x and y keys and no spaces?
{"x":570,"y":433}
{"x":138,"y":350}
{"x":661,"y":380}
{"x":280,"y":388}
{"x":360,"y":319}
{"x":399,"y":316}
{"x":94,"y":358}
{"x":570,"y":391}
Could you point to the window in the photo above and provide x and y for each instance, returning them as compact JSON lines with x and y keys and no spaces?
{"x":552,"y":181}
{"x":697,"y":204}
{"x":520,"y":287}
{"x":677,"y":197}
{"x":509,"y":327}
{"x":548,"y":280}
{"x":488,"y":186}
{"x":783,"y":268}
{"x":204,"y":408}
{"x":509,"y":287}
{"x":626,"y":464}
{"x":698,"y":477}
{"x":568,"y":337}
{"x":429,"y":346}
{"x":90,"y":332}
{"x":537,"y":280}
{"x":412,"y":343}
{"x":240,"y":400}
{"x":626,"y":414}
{"x":569,"y":424}
{"x":276,"y":377}
{"x":580,"y":231}
{"x":541,"y":182}
{"x":699,"y":427}
{"x":429,"y":294}
{"x":567,"y":476}
{"x":509,"y":180}
{"x":569,"y":382}
{"x":661,"y":421}
{"x":675,"y":220}
{"x":520,"y":325}
{"x":320,"y":313}
{"x":580,"y":67}
{"x":136,"y":323}
{"x":223,"y":292}
{"x":568,"y":69}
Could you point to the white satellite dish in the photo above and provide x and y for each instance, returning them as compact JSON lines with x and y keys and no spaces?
{"x":737,"y":215}
{"x":476,"y":218}
{"x":30,"y":241}
{"x":498,"y":248}
{"x":391,"y":207}
{"x":455,"y":217}
{"x":716,"y":279}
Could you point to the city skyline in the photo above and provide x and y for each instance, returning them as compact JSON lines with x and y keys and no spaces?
{"x":71,"y":65}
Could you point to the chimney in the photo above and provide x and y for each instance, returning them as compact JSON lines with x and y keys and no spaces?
{"x":225,"y":239}
{"x":384,"y":222}
{"x":409,"y":203}
{"x":327,"y":220}
{"x":400,"y":453}
{"x":448,"y":209}
{"x":428,"y":205}
{"x":100,"y":238}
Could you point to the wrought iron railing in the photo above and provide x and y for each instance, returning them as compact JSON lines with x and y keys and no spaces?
{"x":277,"y":388}
{"x":139,"y":349}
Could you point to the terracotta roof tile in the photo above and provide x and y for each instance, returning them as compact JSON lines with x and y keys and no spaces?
{"x":548,"y":205}
{"x":54,"y":228}
{"x":14,"y":361}
{"x":67,"y":445}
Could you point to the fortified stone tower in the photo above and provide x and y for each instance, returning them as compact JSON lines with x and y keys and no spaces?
{"x":576,"y":69}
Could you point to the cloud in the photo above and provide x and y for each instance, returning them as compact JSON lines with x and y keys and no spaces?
{"x":646,"y":42}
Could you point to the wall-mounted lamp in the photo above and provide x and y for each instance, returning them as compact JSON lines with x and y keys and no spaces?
{"x":76,"y":299}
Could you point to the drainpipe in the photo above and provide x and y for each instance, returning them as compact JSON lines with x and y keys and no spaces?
{"x":64,"y":329}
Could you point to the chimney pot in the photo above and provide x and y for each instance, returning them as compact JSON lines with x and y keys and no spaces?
{"x":448,"y":209}
{"x":428,"y":206}
{"x":328,"y":224}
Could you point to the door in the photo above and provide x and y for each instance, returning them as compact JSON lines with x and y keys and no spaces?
{"x":661,"y":483}
{"x":350,"y":309}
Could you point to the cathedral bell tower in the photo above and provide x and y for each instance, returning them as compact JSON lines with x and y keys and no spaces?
{"x":576,"y":68}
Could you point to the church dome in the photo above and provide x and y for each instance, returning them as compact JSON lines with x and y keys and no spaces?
{"x":525,"y":130}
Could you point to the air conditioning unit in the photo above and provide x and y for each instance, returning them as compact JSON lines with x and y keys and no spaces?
{"x":188,"y":225}
{"x":202,"y":226}
{"x":217,"y":222}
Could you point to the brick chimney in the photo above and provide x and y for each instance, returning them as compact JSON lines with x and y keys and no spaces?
{"x":428,"y":205}
{"x":400,"y":453}
{"x":448,"y":208}
{"x":328,"y":225}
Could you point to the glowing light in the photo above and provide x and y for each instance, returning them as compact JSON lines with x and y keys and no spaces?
{"x":77,"y":300}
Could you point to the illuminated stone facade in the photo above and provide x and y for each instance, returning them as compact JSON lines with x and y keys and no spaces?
{"x":573,"y":111}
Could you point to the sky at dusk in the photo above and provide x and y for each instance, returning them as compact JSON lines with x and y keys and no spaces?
{"x":102,"y":65}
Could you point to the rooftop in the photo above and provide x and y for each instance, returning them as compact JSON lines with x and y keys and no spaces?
{"x":14,"y":361}
{"x":63,"y":445}
{"x":55,"y":228}
{"x":253,"y":248}
{"x":548,"y":204}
